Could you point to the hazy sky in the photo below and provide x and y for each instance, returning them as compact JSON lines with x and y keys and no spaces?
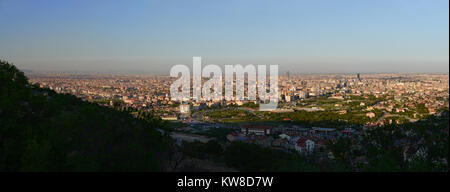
{"x":314,"y":36}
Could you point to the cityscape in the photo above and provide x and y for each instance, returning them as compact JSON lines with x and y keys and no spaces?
{"x":314,"y":111}
{"x":274,"y":93}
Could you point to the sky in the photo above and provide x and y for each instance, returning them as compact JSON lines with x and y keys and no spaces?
{"x":301,"y":36}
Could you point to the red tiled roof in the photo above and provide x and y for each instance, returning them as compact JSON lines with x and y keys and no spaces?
{"x":302,"y":142}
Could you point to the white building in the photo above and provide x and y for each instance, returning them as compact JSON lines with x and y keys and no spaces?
{"x":304,"y":145}
{"x":185,"y":108}
{"x":256,"y":130}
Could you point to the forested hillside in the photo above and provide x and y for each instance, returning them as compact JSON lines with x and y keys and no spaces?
{"x":41,"y":130}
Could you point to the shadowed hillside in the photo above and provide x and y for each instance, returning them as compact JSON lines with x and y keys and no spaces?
{"x":41,"y":130}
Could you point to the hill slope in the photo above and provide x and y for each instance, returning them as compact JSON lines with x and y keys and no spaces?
{"x":41,"y":130}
